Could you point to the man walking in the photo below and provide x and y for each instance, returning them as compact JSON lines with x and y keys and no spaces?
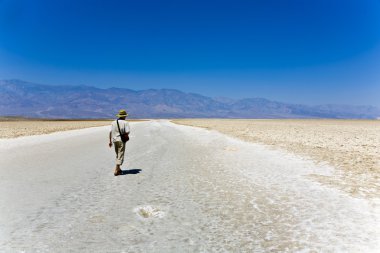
{"x":118,"y":136}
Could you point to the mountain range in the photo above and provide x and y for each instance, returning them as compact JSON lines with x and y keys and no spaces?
{"x":20,"y":98}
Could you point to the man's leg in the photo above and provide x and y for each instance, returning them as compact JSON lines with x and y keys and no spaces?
{"x":119,"y":150}
{"x":116,"y":152}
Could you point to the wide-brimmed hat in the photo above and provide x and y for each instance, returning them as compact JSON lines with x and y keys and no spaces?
{"x":122,"y":113}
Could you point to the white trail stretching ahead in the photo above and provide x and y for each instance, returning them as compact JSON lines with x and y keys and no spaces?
{"x":187,"y":190}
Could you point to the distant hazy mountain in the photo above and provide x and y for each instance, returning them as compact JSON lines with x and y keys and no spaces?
{"x":19,"y":98}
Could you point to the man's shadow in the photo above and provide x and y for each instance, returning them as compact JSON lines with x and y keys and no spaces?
{"x":131,"y":171}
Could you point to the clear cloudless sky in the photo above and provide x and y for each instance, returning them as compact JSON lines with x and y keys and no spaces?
{"x":300,"y":51}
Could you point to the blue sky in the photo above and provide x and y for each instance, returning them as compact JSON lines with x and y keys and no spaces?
{"x":300,"y":51}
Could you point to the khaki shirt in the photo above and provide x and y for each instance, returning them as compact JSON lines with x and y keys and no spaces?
{"x":124,"y":128}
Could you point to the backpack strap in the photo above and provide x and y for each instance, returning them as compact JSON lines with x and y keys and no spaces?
{"x":117,"y":122}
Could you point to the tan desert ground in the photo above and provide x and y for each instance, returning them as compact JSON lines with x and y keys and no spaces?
{"x":16,"y":127}
{"x":11,"y":127}
{"x":351,"y":146}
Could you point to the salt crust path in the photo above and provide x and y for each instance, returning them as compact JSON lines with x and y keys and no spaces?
{"x":198,"y":191}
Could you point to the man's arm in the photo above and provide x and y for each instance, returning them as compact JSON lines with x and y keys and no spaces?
{"x":110,"y":141}
{"x":127,"y":129}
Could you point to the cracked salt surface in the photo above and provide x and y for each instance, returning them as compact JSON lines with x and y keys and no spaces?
{"x":198,"y":191}
{"x":149,"y":212}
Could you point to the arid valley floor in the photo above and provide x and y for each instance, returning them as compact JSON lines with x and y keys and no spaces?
{"x":237,"y":186}
{"x":351,"y":146}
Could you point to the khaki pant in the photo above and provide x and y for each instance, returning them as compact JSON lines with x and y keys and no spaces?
{"x":119,"y":150}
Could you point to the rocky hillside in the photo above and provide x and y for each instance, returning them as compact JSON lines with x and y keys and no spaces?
{"x":19,"y":98}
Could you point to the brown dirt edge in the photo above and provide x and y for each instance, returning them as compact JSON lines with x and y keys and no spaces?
{"x":16,"y":118}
